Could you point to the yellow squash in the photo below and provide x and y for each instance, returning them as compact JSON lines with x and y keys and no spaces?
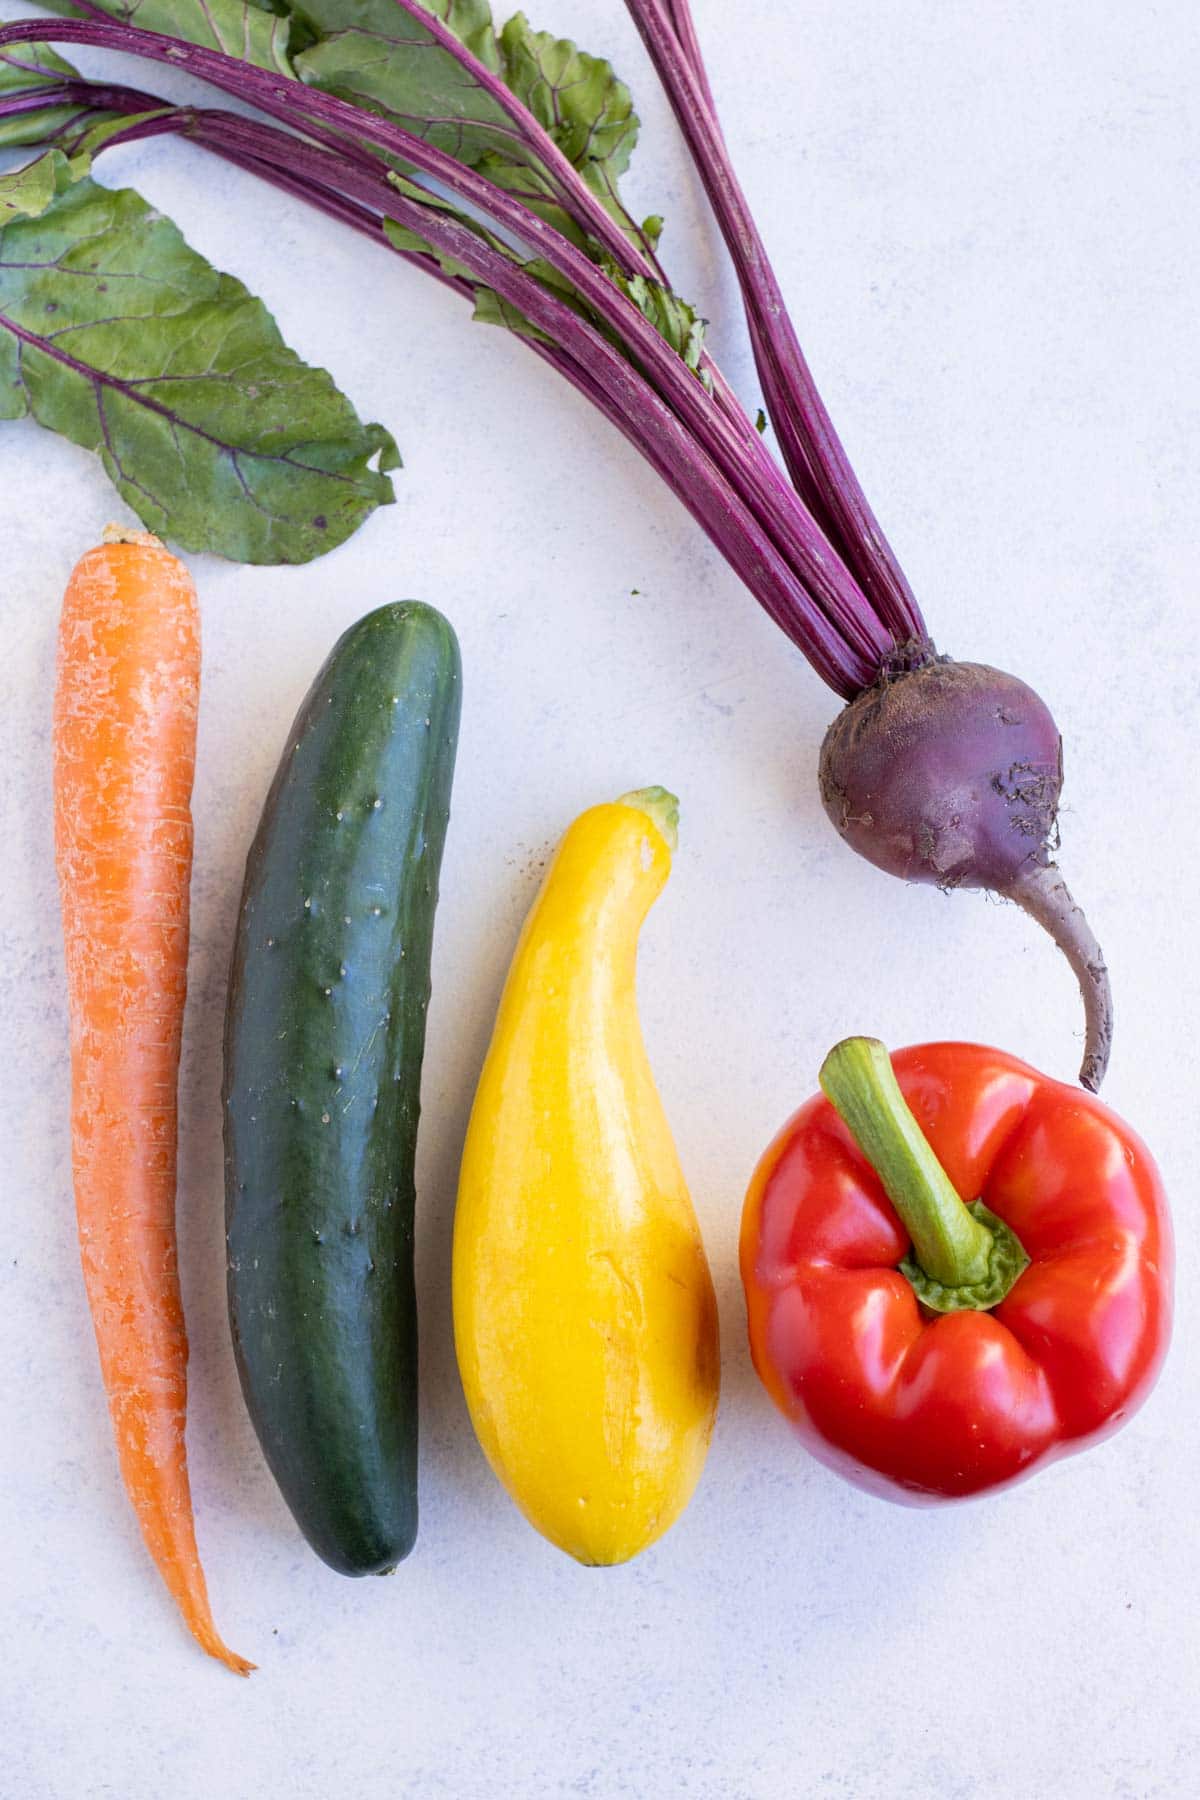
{"x":584,"y":1313}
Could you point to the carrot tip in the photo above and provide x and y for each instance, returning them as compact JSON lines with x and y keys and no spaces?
{"x":239,"y":1664}
{"x":208,"y":1638}
{"x":128,"y":534}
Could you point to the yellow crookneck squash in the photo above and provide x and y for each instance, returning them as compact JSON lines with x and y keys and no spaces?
{"x":584,"y":1313}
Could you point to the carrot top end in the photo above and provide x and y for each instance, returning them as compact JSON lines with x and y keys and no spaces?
{"x":127,"y":534}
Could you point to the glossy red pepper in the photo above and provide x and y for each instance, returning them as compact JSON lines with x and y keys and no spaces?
{"x":921,"y":1405}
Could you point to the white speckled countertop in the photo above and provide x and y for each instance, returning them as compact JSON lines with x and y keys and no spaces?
{"x":985,"y":217}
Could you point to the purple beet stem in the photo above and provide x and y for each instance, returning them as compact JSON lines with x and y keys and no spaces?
{"x":780,"y":551}
{"x":812,"y":450}
{"x":210,"y":128}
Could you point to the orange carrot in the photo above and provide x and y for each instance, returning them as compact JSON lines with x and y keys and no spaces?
{"x":124,"y":752}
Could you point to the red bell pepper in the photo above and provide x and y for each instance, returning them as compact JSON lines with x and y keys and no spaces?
{"x":943,"y":1302}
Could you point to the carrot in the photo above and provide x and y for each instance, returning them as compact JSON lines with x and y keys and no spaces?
{"x":124,"y":752}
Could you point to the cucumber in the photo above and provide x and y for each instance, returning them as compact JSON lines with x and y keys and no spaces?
{"x":324,"y":1036}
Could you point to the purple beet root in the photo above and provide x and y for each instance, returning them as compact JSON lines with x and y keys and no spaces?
{"x":951,"y":774}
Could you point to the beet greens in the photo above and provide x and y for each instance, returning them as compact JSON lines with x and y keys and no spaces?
{"x":492,"y":160}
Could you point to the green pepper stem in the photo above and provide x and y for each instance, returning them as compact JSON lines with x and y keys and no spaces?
{"x":950,"y":1246}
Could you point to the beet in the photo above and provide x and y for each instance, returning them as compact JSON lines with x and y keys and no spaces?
{"x":951,"y":774}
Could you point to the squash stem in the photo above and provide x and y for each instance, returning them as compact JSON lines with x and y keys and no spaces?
{"x":660,"y":807}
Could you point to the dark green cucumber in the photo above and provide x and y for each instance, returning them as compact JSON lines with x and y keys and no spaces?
{"x":324,"y":1036}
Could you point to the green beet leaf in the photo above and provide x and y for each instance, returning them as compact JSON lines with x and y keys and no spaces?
{"x":378,"y":55}
{"x":27,"y":192}
{"x":673,"y":318}
{"x":577,"y":98}
{"x":469,"y":20}
{"x":118,"y":335}
{"x":238,"y":27}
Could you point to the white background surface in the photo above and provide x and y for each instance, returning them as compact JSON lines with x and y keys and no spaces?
{"x":985,"y":217}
